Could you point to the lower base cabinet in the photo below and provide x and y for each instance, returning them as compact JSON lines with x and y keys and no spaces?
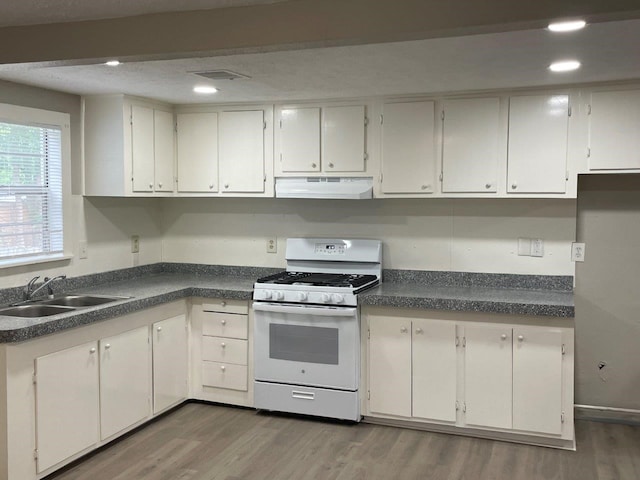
{"x":502,"y":374}
{"x":170,"y":362}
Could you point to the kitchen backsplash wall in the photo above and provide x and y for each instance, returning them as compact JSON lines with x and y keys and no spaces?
{"x":431,"y":234}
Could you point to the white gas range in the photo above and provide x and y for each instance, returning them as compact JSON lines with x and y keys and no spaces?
{"x":307,"y":327}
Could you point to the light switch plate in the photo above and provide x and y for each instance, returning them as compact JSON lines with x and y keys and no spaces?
{"x":524,"y":247}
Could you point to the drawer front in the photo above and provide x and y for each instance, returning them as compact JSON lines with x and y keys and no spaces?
{"x":224,"y":375}
{"x":224,"y":350}
{"x":226,"y":306}
{"x":225,"y":325}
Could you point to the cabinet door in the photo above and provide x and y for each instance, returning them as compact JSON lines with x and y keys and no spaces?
{"x":169,"y":362}
{"x":538,"y":133}
{"x":66,"y":403}
{"x":242,"y":151}
{"x":124,"y":381}
{"x":164,"y":150}
{"x":614,"y":130}
{"x":408,"y":148}
{"x":487,"y":375}
{"x":434,"y":369}
{"x":142,"y":148}
{"x":537,"y":379}
{"x":197,"y":152}
{"x":300,"y":140}
{"x":343,"y":139}
{"x":390,"y":366}
{"x":471,"y":138}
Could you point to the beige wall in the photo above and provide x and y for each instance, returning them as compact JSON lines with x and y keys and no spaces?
{"x":106,"y":224}
{"x":608,"y":292}
{"x":431,"y":234}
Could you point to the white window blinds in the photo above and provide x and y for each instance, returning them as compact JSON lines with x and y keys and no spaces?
{"x":30,"y":191}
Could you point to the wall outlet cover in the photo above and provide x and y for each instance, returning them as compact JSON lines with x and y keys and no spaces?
{"x":524,"y":247}
{"x":135,"y":243}
{"x":537,"y":247}
{"x":83,"y":250}
{"x":272,"y":245}
{"x":577,"y":252}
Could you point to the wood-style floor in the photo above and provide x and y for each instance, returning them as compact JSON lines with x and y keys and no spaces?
{"x":207,"y":442}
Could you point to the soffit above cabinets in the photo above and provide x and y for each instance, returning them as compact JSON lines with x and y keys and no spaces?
{"x":608,"y":52}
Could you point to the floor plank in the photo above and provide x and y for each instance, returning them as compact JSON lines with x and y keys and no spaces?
{"x":212,"y":442}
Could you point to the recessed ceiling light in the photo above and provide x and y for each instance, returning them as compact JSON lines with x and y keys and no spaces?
{"x":564,"y":66}
{"x":567,"y":26}
{"x":112,"y":63}
{"x":205,"y":89}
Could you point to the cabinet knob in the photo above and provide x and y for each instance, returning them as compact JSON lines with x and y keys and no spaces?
{"x":503,"y":336}
{"x":520,"y":338}
{"x":330,"y":165}
{"x":418,"y":331}
{"x":223,"y":322}
{"x":223,"y":368}
{"x":211,"y":186}
{"x":159,"y":329}
{"x":223,"y":303}
{"x":425,"y":187}
{"x":488,"y":185}
{"x":160,"y":185}
{"x":107,"y":346}
{"x":313,"y":165}
{"x":223,"y":344}
{"x":92,"y":350}
{"x":514,"y":186}
{"x":226,"y":185}
{"x":403,"y":330}
{"x":151,"y":186}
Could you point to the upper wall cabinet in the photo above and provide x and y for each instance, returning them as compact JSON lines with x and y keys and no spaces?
{"x":614,"y":130}
{"x":225,"y":151}
{"x":129,"y":146}
{"x":537,"y":145}
{"x":408,"y":148}
{"x":471,"y":140}
{"x":323,"y":140}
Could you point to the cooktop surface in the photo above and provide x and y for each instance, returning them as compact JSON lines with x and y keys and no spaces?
{"x":319,"y":279}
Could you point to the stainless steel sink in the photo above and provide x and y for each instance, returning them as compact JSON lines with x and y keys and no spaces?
{"x":81,"y":300}
{"x":34,"y":310}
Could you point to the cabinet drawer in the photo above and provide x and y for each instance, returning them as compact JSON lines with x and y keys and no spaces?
{"x":225,"y":350}
{"x":226,"y":306}
{"x":225,"y":325}
{"x":224,"y":375}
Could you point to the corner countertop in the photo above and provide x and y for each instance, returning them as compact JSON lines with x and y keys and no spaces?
{"x":161,"y":283}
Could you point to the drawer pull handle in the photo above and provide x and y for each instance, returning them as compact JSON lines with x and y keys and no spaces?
{"x":223,"y":368}
{"x":418,"y":331}
{"x":92,"y":350}
{"x":223,"y":322}
{"x":107,"y":346}
{"x":520,"y":338}
{"x":223,"y":344}
{"x":403,"y":330}
{"x":159,"y":329}
{"x":503,"y":336}
{"x":303,"y":395}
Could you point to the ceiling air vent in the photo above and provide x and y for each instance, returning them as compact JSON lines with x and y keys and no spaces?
{"x":220,"y":75}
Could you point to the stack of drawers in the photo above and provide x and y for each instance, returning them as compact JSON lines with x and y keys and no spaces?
{"x":225,"y":344}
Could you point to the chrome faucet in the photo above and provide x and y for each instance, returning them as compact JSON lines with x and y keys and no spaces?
{"x":30,"y":290}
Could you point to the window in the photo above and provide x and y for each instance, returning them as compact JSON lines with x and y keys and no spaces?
{"x":30,"y":190}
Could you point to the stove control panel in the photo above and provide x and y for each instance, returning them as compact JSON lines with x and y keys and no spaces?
{"x":299,"y":296}
{"x":330,"y":248}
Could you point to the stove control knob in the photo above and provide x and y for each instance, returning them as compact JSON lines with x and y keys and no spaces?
{"x":302,"y":296}
{"x":267,"y":294}
{"x":325,"y":298}
{"x":337,"y":298}
{"x":279,"y":295}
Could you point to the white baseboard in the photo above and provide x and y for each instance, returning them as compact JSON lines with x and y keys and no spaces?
{"x":607,"y":414}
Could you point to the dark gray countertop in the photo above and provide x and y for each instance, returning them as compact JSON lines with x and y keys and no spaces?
{"x":161,"y":283}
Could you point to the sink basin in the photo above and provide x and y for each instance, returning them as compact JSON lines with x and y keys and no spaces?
{"x":81,"y":300}
{"x":34,"y":310}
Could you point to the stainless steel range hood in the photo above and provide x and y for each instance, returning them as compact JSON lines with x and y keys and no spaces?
{"x":324,"y":187}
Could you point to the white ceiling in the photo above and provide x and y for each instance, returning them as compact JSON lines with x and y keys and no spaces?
{"x":608,"y":51}
{"x":33,"y":12}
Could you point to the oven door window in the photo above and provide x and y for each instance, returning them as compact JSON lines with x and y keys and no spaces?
{"x":300,"y":343}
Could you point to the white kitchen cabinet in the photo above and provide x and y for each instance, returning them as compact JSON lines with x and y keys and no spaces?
{"x":327,"y":139}
{"x":537,"y":379}
{"x":300,"y":140}
{"x":435,"y":362}
{"x":67,"y":403}
{"x":614,"y":130}
{"x":537,"y":146}
{"x":390,"y":366}
{"x":128,"y":146}
{"x":170,"y":362}
{"x":197,"y":147}
{"x":408,"y":148}
{"x":471,"y":145}
{"x":242,"y":151}
{"x":125,"y":383}
{"x":487,"y":375}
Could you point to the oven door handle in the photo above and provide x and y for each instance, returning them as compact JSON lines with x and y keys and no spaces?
{"x":305,"y":310}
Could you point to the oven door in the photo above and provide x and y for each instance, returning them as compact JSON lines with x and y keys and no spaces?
{"x":307,"y":345}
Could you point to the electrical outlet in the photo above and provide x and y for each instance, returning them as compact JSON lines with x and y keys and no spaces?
{"x":537,"y":247}
{"x":135,"y":243}
{"x":82,"y":250}
{"x":272,"y":245}
{"x":577,"y":252}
